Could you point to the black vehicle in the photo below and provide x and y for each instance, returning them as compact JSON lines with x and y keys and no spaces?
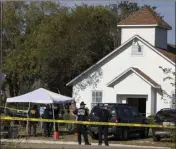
{"x":164,"y":117}
{"x":121,"y":113}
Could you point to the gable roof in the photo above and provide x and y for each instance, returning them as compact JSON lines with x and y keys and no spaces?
{"x":138,"y":72}
{"x":171,"y":45}
{"x":144,"y":16}
{"x":170,"y":55}
{"x":117,"y":49}
{"x":171,"y":48}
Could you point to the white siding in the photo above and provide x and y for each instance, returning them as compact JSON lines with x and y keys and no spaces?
{"x":147,"y":33}
{"x":162,"y":103}
{"x":161,"y":38}
{"x":133,"y":85}
{"x":148,"y":63}
{"x":153,"y":100}
{"x":154,"y":35}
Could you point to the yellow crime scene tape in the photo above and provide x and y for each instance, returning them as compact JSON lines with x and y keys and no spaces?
{"x":87,"y":122}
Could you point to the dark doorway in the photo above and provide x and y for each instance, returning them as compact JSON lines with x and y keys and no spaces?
{"x":138,"y":103}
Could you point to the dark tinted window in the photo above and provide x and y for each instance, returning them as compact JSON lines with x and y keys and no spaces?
{"x":134,"y":112}
{"x":95,"y":108}
{"x":166,"y":115}
{"x":124,"y":112}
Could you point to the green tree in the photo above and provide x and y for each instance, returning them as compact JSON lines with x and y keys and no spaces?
{"x":20,"y":22}
{"x":72,"y":40}
{"x":169,"y":78}
{"x":51,"y":44}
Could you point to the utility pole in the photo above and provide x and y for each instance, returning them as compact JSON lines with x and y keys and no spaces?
{"x":1,"y":32}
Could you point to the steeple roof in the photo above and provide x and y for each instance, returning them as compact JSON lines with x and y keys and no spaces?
{"x":145,"y":16}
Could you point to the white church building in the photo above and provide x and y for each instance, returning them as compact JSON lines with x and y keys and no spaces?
{"x":131,"y":73}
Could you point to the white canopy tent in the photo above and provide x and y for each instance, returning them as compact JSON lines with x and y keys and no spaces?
{"x":40,"y":96}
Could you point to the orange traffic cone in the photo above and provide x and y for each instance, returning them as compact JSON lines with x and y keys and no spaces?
{"x":56,"y":135}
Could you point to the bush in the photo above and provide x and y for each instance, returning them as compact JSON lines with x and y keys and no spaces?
{"x":151,"y":119}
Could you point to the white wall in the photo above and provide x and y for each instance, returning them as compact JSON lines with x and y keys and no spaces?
{"x":132,"y":85}
{"x":154,"y":35}
{"x":161,"y":38}
{"x":147,"y":33}
{"x":153,"y":100}
{"x":148,"y":63}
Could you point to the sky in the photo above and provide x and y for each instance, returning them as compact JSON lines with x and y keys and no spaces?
{"x":165,"y":8}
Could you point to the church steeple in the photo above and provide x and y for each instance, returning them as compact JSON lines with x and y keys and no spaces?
{"x":147,"y":24}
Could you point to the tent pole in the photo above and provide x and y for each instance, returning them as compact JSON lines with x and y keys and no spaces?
{"x":5,"y":107}
{"x":28,"y":117}
{"x":53,"y":117}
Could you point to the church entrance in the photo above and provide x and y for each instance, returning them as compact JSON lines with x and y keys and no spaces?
{"x":138,"y":103}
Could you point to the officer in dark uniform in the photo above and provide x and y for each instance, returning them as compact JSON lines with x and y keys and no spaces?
{"x":104,"y":117}
{"x":82,"y":115}
{"x":47,"y":125}
{"x":33,"y":113}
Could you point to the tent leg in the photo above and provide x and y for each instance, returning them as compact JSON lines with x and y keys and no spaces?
{"x":27,"y":120}
{"x":53,"y":117}
{"x":55,"y":134}
{"x":5,"y":107}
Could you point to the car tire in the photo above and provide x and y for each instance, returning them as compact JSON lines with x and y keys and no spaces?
{"x":144,"y":133}
{"x":124,"y":134}
{"x":156,"y":138}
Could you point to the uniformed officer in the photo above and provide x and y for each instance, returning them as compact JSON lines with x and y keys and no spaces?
{"x":82,"y":115}
{"x":104,"y":117}
{"x":33,"y":113}
{"x":47,"y":125}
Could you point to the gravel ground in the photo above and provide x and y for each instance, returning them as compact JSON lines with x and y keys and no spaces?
{"x":56,"y":146}
{"x":134,"y":140}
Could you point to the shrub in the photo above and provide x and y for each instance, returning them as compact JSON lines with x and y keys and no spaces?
{"x":151,"y":119}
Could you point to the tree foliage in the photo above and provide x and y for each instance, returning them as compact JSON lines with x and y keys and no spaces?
{"x":48,"y":43}
{"x":169,"y":78}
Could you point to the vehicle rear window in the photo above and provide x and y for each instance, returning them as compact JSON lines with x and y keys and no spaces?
{"x":167,"y":113}
{"x":123,"y":112}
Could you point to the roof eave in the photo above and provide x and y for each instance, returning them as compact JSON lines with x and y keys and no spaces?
{"x":111,"y":83}
{"x":144,"y":25}
{"x":145,"y":42}
{"x":157,"y":87}
{"x":166,"y":27}
{"x":151,"y":46}
{"x":137,"y":25}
